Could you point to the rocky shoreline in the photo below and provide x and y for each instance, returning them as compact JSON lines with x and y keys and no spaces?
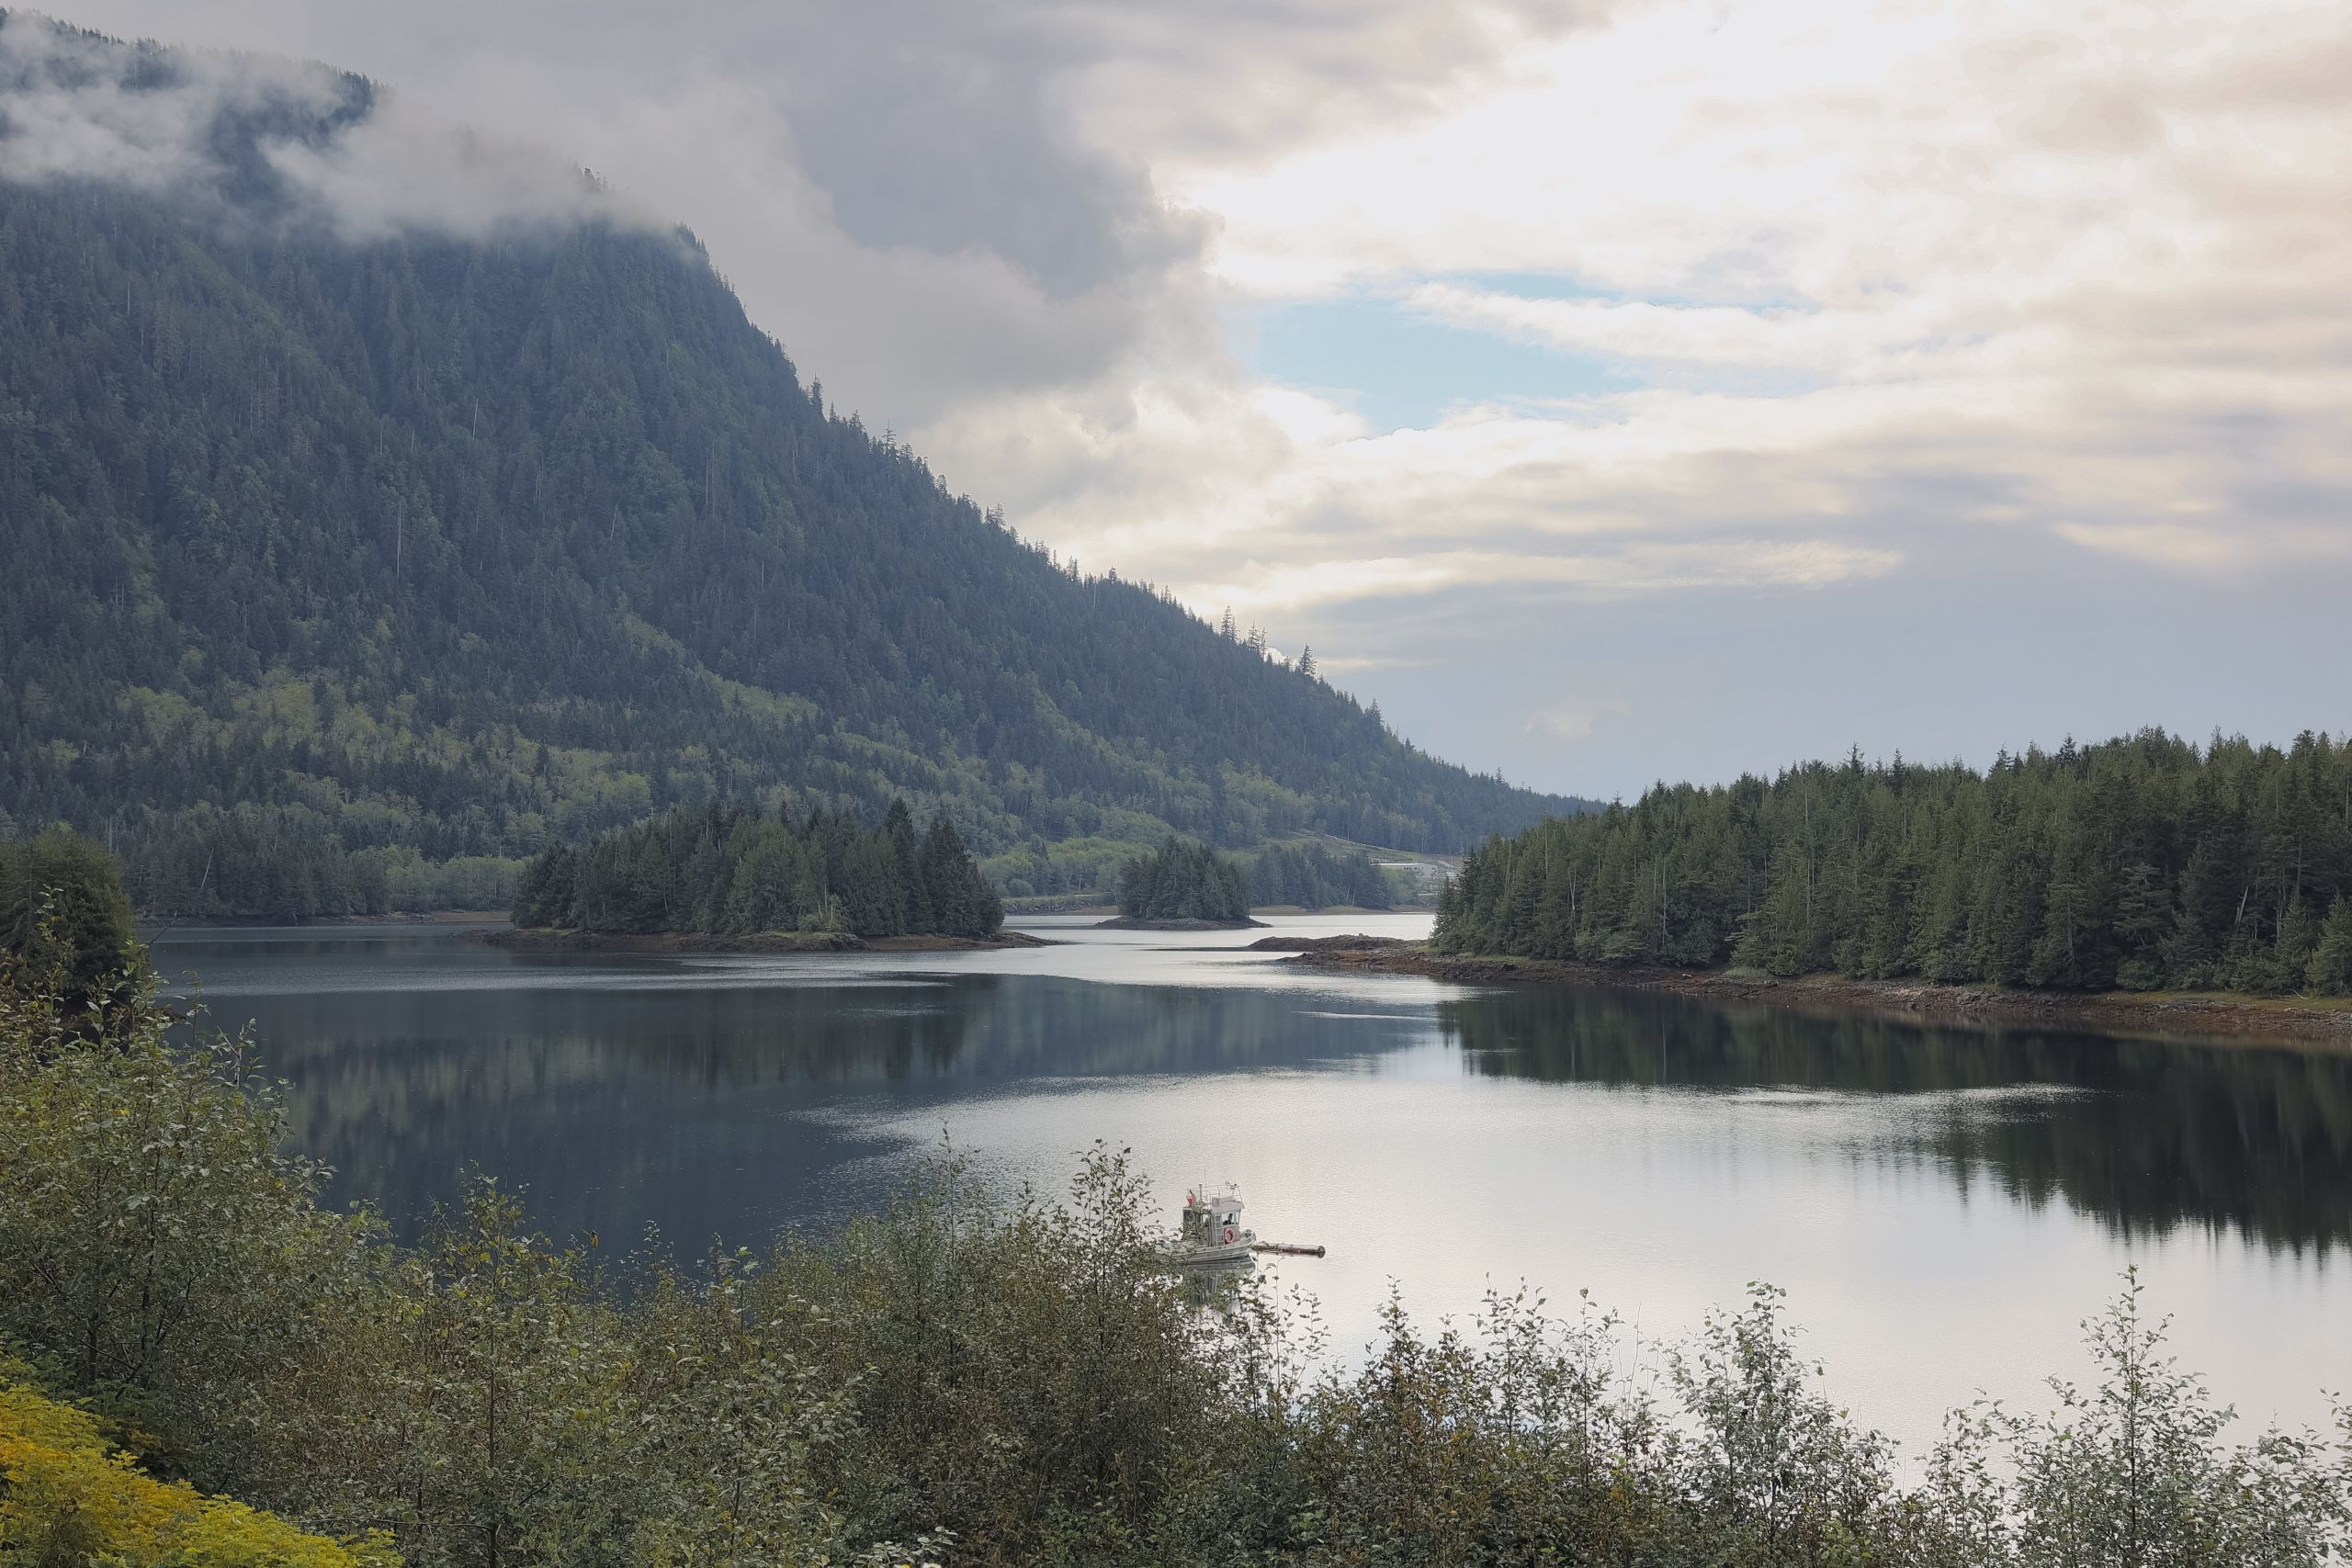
{"x":1125,"y":924}
{"x":767,"y":941}
{"x":2292,"y":1020}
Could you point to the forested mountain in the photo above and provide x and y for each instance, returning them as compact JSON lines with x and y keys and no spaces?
{"x":2141,"y":862}
{"x":335,"y":563}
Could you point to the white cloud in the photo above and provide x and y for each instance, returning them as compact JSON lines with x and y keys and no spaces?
{"x":79,"y":107}
{"x":1571,"y":722}
{"x":2206,"y":546}
{"x":1624,"y":567}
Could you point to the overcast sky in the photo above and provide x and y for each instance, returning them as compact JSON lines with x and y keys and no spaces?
{"x":1613,"y":390}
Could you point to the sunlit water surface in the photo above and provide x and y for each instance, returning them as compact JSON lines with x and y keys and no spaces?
{"x":1941,"y":1204}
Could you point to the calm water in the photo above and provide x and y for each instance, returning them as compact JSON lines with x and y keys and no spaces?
{"x":1942,"y":1204}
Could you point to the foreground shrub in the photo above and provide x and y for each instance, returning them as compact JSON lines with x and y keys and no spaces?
{"x":155,"y":1243}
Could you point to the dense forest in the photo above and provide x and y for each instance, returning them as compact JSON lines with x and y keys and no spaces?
{"x":349,"y":574}
{"x":729,"y":870}
{"x":2143,"y":863}
{"x":1312,"y":877}
{"x":965,"y":1380}
{"x":1183,"y":880}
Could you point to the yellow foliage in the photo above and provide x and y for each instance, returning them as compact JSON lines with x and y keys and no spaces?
{"x":63,"y":1486}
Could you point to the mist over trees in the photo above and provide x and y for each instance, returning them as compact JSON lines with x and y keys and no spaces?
{"x":2141,"y":863}
{"x":731,"y":871}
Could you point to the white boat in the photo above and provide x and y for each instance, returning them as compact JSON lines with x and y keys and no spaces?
{"x":1212,"y":1231}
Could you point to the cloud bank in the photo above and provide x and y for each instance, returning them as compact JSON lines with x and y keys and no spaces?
{"x":262,"y":137}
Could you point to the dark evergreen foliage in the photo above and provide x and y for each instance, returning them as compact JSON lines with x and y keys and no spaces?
{"x":332,"y":562}
{"x":2143,"y":863}
{"x":1183,"y":880}
{"x":720,"y":870}
{"x":65,"y":921}
{"x":1314,"y":878}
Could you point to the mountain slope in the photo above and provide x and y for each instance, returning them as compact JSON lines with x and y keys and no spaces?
{"x":440,"y":548}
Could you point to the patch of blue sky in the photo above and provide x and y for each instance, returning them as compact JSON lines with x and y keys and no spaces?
{"x":1561,"y":285}
{"x":1400,"y":368}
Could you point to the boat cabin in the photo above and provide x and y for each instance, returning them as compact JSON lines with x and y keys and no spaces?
{"x":1212,"y":1220}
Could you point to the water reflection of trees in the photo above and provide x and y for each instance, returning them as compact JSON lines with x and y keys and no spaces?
{"x":692,"y":1104}
{"x":688,"y":1099}
{"x":2163,"y":1135}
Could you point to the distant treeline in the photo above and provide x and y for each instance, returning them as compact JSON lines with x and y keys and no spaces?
{"x":2143,"y":863}
{"x":290,"y":862}
{"x":731,"y":870}
{"x":1314,"y":878}
{"x":1183,"y":881}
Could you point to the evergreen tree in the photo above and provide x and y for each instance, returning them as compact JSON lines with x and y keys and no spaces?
{"x":545,"y":896}
{"x":906,"y":855}
{"x":961,"y":901}
{"x":2330,"y":970}
{"x":874,"y":899}
{"x":2144,"y":914}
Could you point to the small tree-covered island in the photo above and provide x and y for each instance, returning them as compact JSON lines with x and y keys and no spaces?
{"x":741,"y":875}
{"x":1185,"y":886}
{"x":1182,"y":886}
